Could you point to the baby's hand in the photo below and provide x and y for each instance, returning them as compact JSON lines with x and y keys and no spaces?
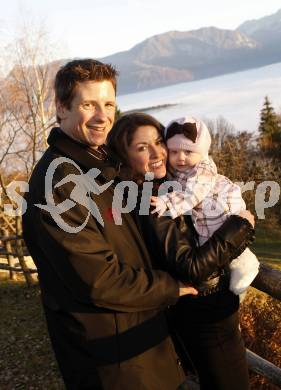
{"x":159,"y":204}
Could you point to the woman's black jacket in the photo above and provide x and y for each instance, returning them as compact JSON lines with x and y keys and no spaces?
{"x":176,"y":241}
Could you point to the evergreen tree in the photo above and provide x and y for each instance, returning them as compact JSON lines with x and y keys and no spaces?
{"x":269,"y":128}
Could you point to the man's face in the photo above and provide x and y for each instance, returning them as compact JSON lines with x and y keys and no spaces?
{"x":92,"y":112}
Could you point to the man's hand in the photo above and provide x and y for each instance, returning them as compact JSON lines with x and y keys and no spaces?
{"x":159,"y":204}
{"x":185,"y":290}
{"x":248,"y":215}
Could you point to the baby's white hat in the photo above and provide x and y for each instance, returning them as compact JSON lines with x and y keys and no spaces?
{"x":188,"y":133}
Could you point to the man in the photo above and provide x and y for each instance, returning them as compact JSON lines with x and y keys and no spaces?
{"x":102,"y":296}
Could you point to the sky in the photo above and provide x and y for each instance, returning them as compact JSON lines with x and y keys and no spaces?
{"x":97,"y":28}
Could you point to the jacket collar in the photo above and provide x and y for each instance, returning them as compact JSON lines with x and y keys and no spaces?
{"x":80,"y":153}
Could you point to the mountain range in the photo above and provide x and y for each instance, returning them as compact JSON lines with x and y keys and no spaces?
{"x":181,"y":56}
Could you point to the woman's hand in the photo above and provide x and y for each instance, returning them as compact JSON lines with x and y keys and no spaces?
{"x":159,"y":204}
{"x":248,"y":215}
{"x":185,"y":290}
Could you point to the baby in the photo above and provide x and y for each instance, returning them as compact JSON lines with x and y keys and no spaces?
{"x":209,"y":197}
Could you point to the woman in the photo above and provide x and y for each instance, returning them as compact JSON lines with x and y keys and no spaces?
{"x":207,"y":324}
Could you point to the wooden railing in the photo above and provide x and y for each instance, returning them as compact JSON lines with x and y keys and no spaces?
{"x":13,"y":248}
{"x":268,"y":281}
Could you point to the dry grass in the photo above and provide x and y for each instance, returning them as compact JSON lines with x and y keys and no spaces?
{"x":260,"y":319}
{"x":26,"y":361}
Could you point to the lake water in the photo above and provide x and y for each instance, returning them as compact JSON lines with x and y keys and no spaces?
{"x":238,"y":97}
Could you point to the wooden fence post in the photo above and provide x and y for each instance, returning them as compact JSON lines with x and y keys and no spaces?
{"x":20,"y":253}
{"x":10,"y":257}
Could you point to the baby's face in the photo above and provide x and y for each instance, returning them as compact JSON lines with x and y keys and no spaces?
{"x":182,"y":160}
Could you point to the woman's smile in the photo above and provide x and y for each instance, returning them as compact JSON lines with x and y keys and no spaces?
{"x":156,"y":164}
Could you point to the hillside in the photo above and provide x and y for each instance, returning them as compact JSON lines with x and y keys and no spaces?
{"x":180,"y":56}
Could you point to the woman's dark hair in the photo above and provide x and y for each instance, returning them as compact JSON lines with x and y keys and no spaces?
{"x":121,"y":136}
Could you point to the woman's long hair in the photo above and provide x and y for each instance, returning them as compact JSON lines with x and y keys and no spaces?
{"x":121,"y":136}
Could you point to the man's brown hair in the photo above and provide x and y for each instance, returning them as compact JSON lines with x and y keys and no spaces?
{"x":78,"y":71}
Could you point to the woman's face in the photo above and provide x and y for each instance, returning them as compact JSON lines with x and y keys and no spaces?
{"x":147,"y":152}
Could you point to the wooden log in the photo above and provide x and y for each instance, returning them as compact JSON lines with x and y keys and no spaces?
{"x":20,"y":254}
{"x":6,"y":267}
{"x":14,"y":254}
{"x":268,"y":280}
{"x":10,"y":257}
{"x":8,"y":238}
{"x":264,"y":368}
